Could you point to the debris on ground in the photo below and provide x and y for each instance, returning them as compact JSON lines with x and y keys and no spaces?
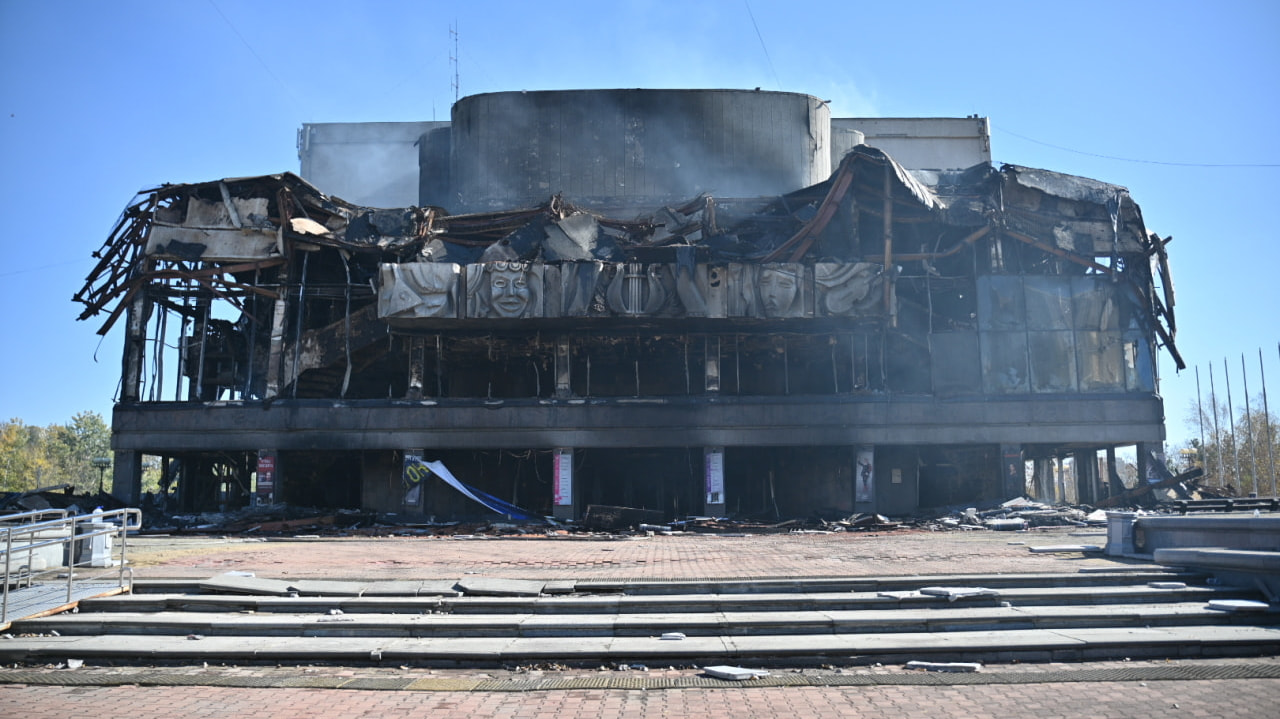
{"x":58,"y":496}
{"x":1066,"y":549}
{"x":945,"y":666}
{"x":1178,"y":494}
{"x":722,"y":671}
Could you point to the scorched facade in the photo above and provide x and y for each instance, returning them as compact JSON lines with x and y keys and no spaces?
{"x":693,"y":302}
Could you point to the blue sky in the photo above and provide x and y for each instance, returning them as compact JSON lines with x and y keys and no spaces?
{"x":1178,"y":101}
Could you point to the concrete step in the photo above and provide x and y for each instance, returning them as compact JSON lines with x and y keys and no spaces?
{"x":580,"y":603}
{"x":1079,"y":644}
{"x":945,"y":619}
{"x":804,"y":585}
{"x":810,"y":585}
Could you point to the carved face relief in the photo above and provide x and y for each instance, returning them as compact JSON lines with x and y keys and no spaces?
{"x":778,"y":289}
{"x":509,"y":292}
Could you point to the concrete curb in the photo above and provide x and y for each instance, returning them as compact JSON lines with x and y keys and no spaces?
{"x":636,"y":681}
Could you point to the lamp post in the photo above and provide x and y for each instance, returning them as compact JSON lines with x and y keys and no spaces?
{"x":101,"y":463}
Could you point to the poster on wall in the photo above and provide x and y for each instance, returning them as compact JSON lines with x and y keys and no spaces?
{"x":563,"y":478}
{"x":413,"y":474}
{"x":714,"y":480}
{"x":266,"y":475}
{"x":865,"y":480}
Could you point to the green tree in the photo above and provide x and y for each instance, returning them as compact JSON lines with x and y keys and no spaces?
{"x":21,"y":458}
{"x":34,"y":457}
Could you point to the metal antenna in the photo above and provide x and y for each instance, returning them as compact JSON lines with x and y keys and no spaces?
{"x":453,"y":59}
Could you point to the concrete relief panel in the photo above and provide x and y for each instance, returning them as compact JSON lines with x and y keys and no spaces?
{"x":781,"y":290}
{"x":739,"y":297}
{"x":581,"y":286}
{"x":776,"y":290}
{"x":505,"y":290}
{"x":847,"y":290}
{"x":418,"y":289}
{"x":691,"y":288}
{"x":638,"y":289}
{"x":715,"y":283}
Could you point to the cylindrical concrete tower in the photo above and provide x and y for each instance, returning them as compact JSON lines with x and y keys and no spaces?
{"x":635,"y":147}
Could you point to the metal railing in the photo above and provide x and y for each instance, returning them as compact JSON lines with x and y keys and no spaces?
{"x":53,"y":543}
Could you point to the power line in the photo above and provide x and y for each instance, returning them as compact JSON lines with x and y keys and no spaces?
{"x":1131,"y":159}
{"x":762,"y":45}
{"x":253,"y":52}
{"x":41,"y":267}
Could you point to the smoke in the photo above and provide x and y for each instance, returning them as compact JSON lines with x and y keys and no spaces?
{"x":632,"y":146}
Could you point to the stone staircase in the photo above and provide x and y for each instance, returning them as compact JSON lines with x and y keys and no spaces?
{"x":479,"y":621}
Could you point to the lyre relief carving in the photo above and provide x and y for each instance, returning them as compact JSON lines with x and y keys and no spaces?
{"x":636,"y":289}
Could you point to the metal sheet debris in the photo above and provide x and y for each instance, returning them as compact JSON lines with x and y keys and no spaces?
{"x":945,"y":666}
{"x":723,"y":671}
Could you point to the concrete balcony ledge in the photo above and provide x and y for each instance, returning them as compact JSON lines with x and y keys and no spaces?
{"x":1236,"y":567}
{"x":1217,"y":523}
{"x":1228,"y":532}
{"x":1218,"y":558}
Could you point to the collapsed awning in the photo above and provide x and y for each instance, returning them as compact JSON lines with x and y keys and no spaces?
{"x":489,"y":501}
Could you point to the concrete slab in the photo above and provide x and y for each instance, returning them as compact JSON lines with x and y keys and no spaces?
{"x":1178,"y":640}
{"x":407,"y":588}
{"x":1213,"y":558}
{"x":954,"y":593}
{"x":236,"y":584}
{"x":699,"y":624}
{"x":498,"y":587}
{"x":328,"y":588}
{"x":438,"y":588}
{"x":563,"y":586}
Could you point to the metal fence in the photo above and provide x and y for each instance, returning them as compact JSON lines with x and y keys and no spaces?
{"x":52,"y":558}
{"x":1237,"y":449}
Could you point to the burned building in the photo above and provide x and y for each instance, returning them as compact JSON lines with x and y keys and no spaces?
{"x":692,"y":302}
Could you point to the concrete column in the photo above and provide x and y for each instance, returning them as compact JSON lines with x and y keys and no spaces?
{"x":417,"y":366}
{"x":1114,"y":485}
{"x":135,"y":342}
{"x":1086,"y":465}
{"x":563,"y":375}
{"x":276,"y":349}
{"x":126,"y":478}
{"x":714,"y":499}
{"x":1013,"y":470}
{"x":1042,"y":479}
{"x":564,"y":503}
{"x":711,"y":364}
{"x":1060,"y":479}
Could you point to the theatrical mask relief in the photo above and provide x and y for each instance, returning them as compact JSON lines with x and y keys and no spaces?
{"x":520,"y":290}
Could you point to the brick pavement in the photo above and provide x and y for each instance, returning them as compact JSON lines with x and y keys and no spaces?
{"x":1132,"y":700}
{"x":659,"y":557}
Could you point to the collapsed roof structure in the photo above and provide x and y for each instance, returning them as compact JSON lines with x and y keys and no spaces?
{"x":868,"y":338}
